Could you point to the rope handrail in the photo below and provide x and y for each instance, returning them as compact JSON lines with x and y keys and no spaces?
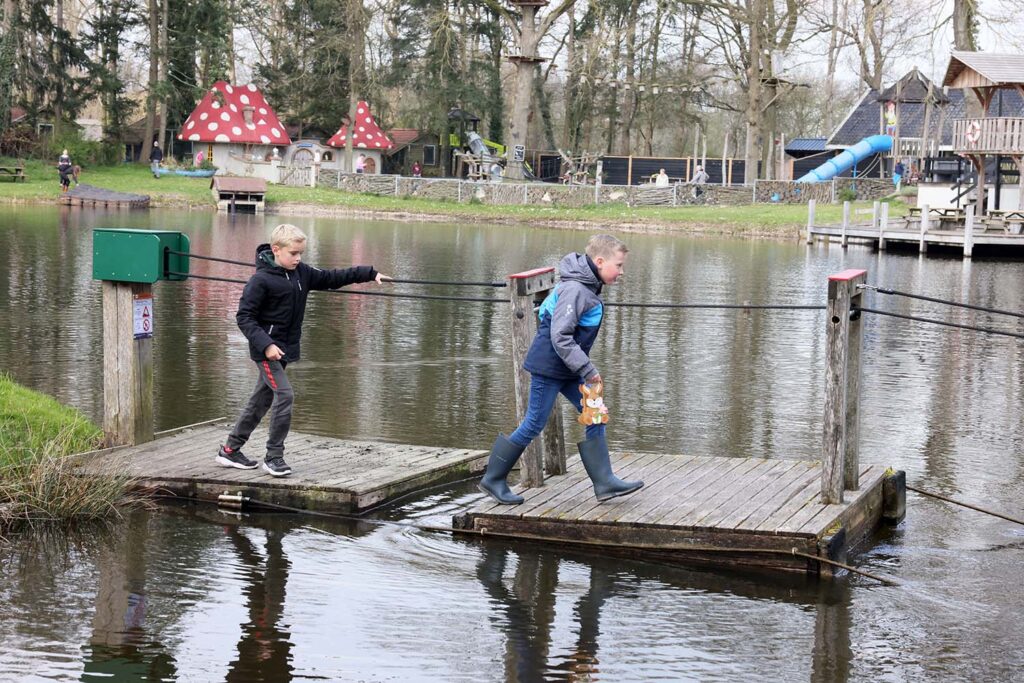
{"x":947,"y":302}
{"x":452,"y":283}
{"x":755,"y":307}
{"x":974,"y":328}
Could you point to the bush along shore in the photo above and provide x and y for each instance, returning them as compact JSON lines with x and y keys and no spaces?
{"x":39,"y":438}
{"x":753,"y":220}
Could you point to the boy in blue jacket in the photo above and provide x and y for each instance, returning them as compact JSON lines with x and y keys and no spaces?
{"x":270,"y":315}
{"x":558,"y":362}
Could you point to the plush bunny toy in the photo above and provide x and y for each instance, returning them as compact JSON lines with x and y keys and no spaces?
{"x":595,"y":412}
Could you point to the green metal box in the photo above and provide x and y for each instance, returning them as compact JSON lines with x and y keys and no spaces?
{"x":125,"y":255}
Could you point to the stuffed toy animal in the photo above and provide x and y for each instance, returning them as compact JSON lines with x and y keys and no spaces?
{"x":595,"y":412}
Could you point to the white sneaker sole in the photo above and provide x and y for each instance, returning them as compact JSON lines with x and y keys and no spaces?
{"x":224,"y":462}
{"x":274,"y":473}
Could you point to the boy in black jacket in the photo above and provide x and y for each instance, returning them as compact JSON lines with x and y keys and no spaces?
{"x":270,"y":315}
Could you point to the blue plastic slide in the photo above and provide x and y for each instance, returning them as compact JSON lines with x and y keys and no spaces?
{"x":847,"y":158}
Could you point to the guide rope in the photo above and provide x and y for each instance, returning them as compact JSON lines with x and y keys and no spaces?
{"x":974,"y":328}
{"x":947,"y":302}
{"x":966,"y":505}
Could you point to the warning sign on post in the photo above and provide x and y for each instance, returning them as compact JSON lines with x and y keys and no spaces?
{"x":143,"y":315}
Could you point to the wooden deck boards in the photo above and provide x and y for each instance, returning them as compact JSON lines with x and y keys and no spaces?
{"x":709,"y":504}
{"x":328,"y":474}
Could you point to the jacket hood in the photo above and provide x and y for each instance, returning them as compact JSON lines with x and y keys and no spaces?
{"x":579,"y":267}
{"x":265,"y":259}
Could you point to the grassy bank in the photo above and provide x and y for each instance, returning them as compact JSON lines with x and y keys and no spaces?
{"x":37,"y":479}
{"x":784,"y":220}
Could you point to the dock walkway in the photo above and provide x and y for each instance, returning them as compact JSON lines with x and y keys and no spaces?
{"x":713,"y":510}
{"x":330,"y":475}
{"x":92,"y":196}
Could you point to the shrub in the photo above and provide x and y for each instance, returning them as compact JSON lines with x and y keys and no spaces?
{"x":83,"y":152}
{"x":847,"y":194}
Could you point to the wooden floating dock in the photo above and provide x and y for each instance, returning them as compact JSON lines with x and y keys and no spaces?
{"x":698,"y":509}
{"x":99,"y":197}
{"x":330,"y":475}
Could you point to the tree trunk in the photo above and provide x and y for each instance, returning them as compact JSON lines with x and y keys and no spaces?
{"x":164,"y":75}
{"x":154,"y":79}
{"x":965,"y":38}
{"x":525,"y":65}
{"x":830,"y":75}
{"x":629,"y":97}
{"x":7,"y":51}
{"x":355,"y":59}
{"x":754,"y":143}
{"x":58,"y":95}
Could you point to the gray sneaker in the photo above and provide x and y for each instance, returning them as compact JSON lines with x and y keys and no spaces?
{"x":227,"y":457}
{"x":276,"y":466}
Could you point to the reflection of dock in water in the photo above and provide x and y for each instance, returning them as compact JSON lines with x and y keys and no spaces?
{"x":713,"y":510}
{"x":329,"y":474}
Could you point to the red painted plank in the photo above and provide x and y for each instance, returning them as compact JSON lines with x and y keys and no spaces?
{"x":848,"y":274}
{"x":530,"y":273}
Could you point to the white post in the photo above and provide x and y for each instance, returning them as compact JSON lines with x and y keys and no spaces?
{"x":968,"y":231}
{"x":597,"y":182}
{"x":845,"y":239}
{"x":923,"y":246}
{"x":883,"y":223}
{"x":396,"y":184}
{"x":810,"y":220}
{"x":675,"y":195}
{"x":526,"y":194}
{"x":874,"y":215}
{"x":314,"y":171}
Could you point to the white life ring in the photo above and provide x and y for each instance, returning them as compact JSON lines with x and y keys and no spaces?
{"x":973,"y":132}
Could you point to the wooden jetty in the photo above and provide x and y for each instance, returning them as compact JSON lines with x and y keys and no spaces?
{"x":100,"y":197}
{"x":923,"y":228}
{"x":330,"y":475}
{"x":697,"y":509}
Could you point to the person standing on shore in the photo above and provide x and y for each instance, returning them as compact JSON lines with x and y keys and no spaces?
{"x":155,"y":158}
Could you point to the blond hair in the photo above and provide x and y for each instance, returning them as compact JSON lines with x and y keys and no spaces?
{"x":605,"y":246}
{"x":286,"y":234}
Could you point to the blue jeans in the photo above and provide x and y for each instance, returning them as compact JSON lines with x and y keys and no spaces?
{"x":543,"y":392}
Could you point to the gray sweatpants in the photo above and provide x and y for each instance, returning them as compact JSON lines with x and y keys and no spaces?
{"x":273,"y":392}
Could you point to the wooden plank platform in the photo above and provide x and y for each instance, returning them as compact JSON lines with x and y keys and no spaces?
{"x":91,"y":196}
{"x":331,"y":475}
{"x":708,"y":510}
{"x":899,"y":232}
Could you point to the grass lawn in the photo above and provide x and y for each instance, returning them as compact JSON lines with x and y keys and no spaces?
{"x":43,"y":185}
{"x":37,"y":478}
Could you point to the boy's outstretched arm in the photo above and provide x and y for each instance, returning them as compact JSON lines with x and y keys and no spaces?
{"x":339,"y":277}
{"x":247,"y":316}
{"x":564,"y":321}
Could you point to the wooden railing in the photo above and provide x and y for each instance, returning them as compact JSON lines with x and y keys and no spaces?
{"x":1002,"y":135}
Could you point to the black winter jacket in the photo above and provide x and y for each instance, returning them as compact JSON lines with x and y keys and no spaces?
{"x":273,"y":303}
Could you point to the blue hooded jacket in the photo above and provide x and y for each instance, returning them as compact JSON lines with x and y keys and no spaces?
{"x":570,"y":318}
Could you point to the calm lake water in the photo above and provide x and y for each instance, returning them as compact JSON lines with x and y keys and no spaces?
{"x":192,"y":594}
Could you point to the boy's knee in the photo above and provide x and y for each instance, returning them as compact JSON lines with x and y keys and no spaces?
{"x":284,"y":396}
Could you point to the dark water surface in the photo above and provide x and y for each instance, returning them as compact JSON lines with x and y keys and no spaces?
{"x":196,"y":595}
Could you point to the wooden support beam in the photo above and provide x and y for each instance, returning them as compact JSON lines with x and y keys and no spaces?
{"x":524,"y":289}
{"x":882,"y":209}
{"x":923,"y":245}
{"x":810,"y":220}
{"x":844,"y":240}
{"x":127,"y":363}
{"x":968,"y":231}
{"x":842,"y":287}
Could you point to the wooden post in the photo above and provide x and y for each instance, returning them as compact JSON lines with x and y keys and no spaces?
{"x":523,"y":289}
{"x":597,"y":181}
{"x":923,"y":246}
{"x":629,"y":170}
{"x":127,"y":365}
{"x":844,"y":240}
{"x":875,"y":210}
{"x":810,"y":220}
{"x":883,"y":224}
{"x":851,"y":457}
{"x":841,"y":289}
{"x":968,"y":231}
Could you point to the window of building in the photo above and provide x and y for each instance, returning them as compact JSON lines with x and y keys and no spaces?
{"x":430,"y":155}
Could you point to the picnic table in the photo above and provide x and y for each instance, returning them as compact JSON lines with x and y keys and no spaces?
{"x":1011,"y":220}
{"x":15,"y":173}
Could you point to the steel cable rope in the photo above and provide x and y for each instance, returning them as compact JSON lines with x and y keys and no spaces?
{"x":985,"y":309}
{"x":505,"y":301}
{"x":400,"y":281}
{"x":975,"y":328}
{"x":238,"y":502}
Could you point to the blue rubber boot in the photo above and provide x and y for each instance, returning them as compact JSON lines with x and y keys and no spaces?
{"x":597,"y":462}
{"x":504,"y":454}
